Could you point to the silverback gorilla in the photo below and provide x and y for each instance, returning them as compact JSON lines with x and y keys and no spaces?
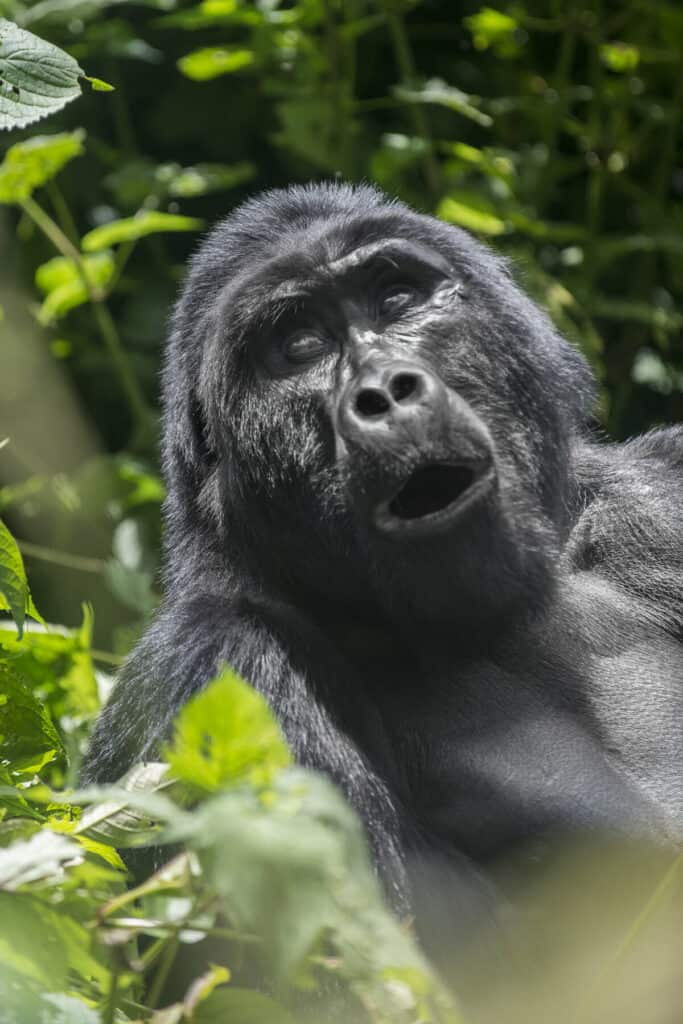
{"x":387,"y":510}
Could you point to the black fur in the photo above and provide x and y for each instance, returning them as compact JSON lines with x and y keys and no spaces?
{"x":514,"y":672}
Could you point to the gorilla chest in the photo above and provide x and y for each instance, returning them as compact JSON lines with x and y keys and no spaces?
{"x":486,"y":758}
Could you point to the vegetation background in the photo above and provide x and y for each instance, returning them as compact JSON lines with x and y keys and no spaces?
{"x":550,"y":128}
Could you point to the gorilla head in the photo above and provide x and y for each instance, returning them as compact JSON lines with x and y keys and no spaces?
{"x":362,"y":407}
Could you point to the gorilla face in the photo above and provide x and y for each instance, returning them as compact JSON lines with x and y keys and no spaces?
{"x":385,"y":407}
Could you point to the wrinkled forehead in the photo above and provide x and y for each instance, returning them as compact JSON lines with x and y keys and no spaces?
{"x":326,"y":251}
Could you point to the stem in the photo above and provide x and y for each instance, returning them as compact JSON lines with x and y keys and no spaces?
{"x":596,"y":173}
{"x":51,"y":230}
{"x":63,"y":212}
{"x":157,"y":986}
{"x":409,"y":79}
{"x":565,"y":59}
{"x":110,"y":1009}
{"x":103,"y":319}
{"x":641,"y":919}
{"x":122,"y":257}
{"x":63,"y":558}
{"x":106,"y":656}
{"x":129,"y":382}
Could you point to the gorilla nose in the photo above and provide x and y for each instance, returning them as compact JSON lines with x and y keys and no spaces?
{"x":371,"y":401}
{"x":391,"y":396}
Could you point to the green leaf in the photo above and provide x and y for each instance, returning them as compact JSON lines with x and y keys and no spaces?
{"x":64,"y":286}
{"x":620,"y":57}
{"x":293,"y":868}
{"x":129,"y":229}
{"x":202,"y":988}
{"x":28,"y":739}
{"x":471,"y":216}
{"x":212,"y":61}
{"x":438,"y":92}
{"x":15,"y":596}
{"x":58,"y":667}
{"x":28,"y":945}
{"x":28,"y":165}
{"x":99,"y":85}
{"x":36,"y":78}
{"x":227,"y":734}
{"x":492,"y":28}
{"x":243,"y":1005}
{"x":44,"y":945}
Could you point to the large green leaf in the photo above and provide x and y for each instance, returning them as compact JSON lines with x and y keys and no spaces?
{"x":36,"y":78}
{"x":28,"y":165}
{"x":227,"y":734}
{"x":129,"y":229}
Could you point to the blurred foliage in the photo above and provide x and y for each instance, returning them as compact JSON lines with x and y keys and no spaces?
{"x":295,"y":905}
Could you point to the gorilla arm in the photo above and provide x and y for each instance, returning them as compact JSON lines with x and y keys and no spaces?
{"x":183,"y":650}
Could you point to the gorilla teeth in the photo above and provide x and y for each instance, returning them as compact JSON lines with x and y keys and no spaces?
{"x":431,"y":489}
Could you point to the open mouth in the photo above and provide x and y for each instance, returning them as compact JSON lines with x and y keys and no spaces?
{"x":432,"y":495}
{"x":429,"y":490}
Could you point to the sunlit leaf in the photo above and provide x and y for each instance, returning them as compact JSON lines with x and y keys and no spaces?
{"x":455,"y":211}
{"x":28,"y":165}
{"x":212,"y":61}
{"x":620,"y":57}
{"x":62,"y":281}
{"x":129,"y":229}
{"x":496,"y":29}
{"x":225,"y":735}
{"x":99,"y":85}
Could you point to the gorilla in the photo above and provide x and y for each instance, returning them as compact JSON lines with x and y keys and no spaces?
{"x":389,"y":510}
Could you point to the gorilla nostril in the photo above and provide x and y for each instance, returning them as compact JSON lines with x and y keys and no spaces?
{"x":403,"y":386}
{"x":370,"y":402}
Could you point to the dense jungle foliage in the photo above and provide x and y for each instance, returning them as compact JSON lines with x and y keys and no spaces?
{"x":549,"y":128}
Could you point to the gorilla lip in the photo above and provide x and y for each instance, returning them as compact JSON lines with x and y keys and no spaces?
{"x":432,"y":494}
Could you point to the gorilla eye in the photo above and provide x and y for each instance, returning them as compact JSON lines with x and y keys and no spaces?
{"x":395,"y":298}
{"x":304,"y":348}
